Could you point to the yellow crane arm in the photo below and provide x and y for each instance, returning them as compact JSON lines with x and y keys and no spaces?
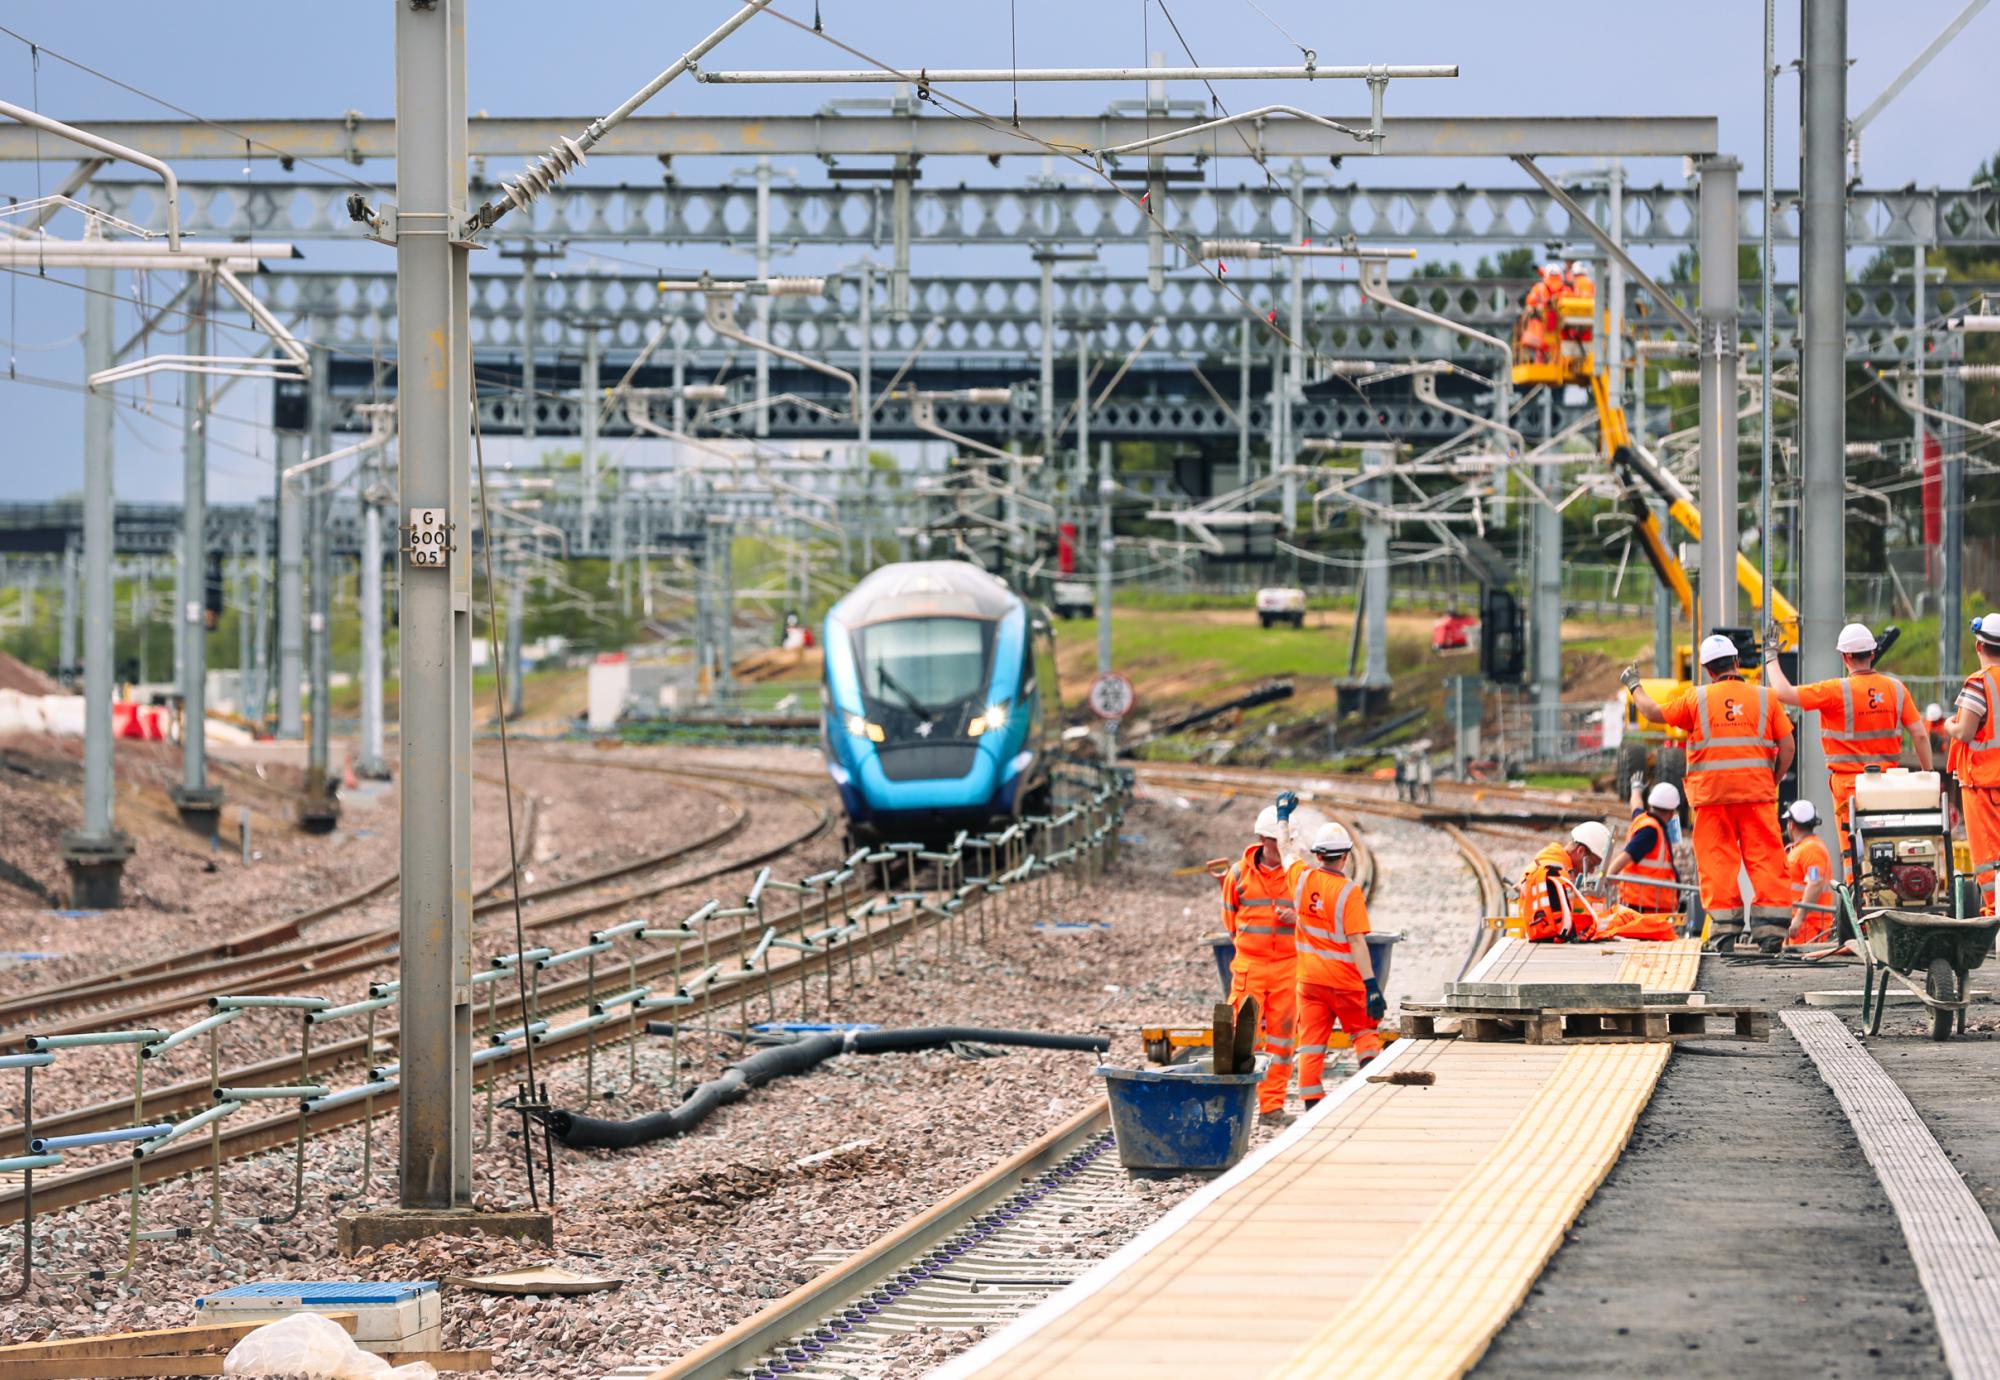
{"x":1624,"y":454}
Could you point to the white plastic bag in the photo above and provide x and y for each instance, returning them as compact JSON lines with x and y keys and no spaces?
{"x":306,"y":1346}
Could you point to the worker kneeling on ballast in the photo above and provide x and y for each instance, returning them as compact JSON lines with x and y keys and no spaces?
{"x":1336,"y":975}
{"x":1257,"y":909}
{"x":1739,"y":746}
{"x":1554,"y":908}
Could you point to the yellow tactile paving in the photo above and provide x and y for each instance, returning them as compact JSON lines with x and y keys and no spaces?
{"x":1428,"y":1211}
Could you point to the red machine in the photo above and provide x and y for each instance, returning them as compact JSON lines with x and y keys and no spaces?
{"x":1454,"y":632}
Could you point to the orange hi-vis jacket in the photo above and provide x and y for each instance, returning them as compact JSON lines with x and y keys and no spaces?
{"x":1251,"y":898}
{"x":1657,"y":866}
{"x":1861,"y":720}
{"x":1333,"y":916}
{"x":1552,"y":909}
{"x":1733,"y":729}
{"x":1977,"y":763}
{"x":1809,"y":866}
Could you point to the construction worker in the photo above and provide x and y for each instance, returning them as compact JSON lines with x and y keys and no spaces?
{"x":1862,"y":715}
{"x":1739,"y":746}
{"x":1647,"y":859}
{"x":1336,"y":974}
{"x":1975,"y":754}
{"x":1538,"y":316}
{"x":1553,"y":908}
{"x":1934,"y":730}
{"x":1811,"y":872}
{"x":1257,"y":898}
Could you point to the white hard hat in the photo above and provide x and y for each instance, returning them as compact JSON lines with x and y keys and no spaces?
{"x":1802,"y":812}
{"x":1934,"y":712}
{"x":1987,"y":629}
{"x":1855,"y":638}
{"x":1595,"y":837}
{"x":1332,"y":838}
{"x":1578,"y":266}
{"x":1268,"y":824}
{"x":1715,"y":647}
{"x":1664,"y":796}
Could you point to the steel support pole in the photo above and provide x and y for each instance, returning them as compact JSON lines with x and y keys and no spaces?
{"x":95,"y":855}
{"x":1545,"y":608}
{"x":1082,"y":333}
{"x":1048,"y":393}
{"x":762,"y":361}
{"x":864,"y":423}
{"x":435,"y":647}
{"x":590,"y":389}
{"x":725,"y":614}
{"x":1295,"y":365}
{"x":291,"y":586}
{"x":1375,"y":561}
{"x":516,"y":591}
{"x":1243,"y":404}
{"x":1718,"y":348}
{"x":240,"y":598}
{"x":1951,"y":440}
{"x":194,"y":798}
{"x":66,"y":632}
{"x":319,"y":556}
{"x":528,"y":336}
{"x":1107,"y":549}
{"x":370,"y":762}
{"x":175,"y":618}
{"x":258,"y":696}
{"x":1822,"y":513}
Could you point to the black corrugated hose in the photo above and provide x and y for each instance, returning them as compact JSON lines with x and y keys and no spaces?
{"x":782,"y":1061}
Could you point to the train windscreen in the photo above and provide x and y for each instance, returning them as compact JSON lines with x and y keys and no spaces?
{"x":924,"y":664}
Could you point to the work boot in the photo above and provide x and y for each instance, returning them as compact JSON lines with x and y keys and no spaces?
{"x":1771,"y":945}
{"x":1277,"y":1118}
{"x":1724,"y":943}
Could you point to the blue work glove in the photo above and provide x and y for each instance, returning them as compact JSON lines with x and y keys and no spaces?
{"x":1378,"y":1005}
{"x":1288,"y":801}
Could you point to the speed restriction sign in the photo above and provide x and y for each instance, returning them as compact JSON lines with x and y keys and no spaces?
{"x":1111,"y":696}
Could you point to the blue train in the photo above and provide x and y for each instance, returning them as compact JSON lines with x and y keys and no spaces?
{"x":942,"y":708}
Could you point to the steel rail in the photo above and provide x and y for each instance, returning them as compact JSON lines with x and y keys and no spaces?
{"x":767,"y":1330}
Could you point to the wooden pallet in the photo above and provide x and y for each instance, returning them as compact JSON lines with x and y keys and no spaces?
{"x":1592,"y":1026}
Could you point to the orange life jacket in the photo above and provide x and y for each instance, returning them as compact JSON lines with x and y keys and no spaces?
{"x":1552,"y":909}
{"x":1657,"y":866}
{"x":1870,"y":731}
{"x":1732,"y":754}
{"x":1977,"y":763}
{"x":1328,"y":904}
{"x":1251,"y":898}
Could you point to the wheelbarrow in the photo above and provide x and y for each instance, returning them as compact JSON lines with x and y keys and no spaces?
{"x":1904,"y":944}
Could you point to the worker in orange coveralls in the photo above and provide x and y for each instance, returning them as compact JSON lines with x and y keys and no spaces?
{"x":1812,"y":876}
{"x":1975,"y":756}
{"x":1553,"y":909}
{"x":1258,"y":893}
{"x":1739,"y":746}
{"x":1644,"y":867}
{"x":1863,"y":715}
{"x":1336,"y":974}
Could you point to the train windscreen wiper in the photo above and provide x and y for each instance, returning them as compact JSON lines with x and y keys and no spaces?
{"x":889,"y":682}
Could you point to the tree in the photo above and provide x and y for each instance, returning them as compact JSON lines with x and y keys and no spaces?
{"x":1518,"y":262}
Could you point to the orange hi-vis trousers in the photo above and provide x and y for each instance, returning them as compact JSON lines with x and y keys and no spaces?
{"x":1320,"y":1009}
{"x":1981,"y":807}
{"x":1729,"y":835}
{"x":1275,"y":985}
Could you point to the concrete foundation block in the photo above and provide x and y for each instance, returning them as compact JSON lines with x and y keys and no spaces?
{"x":366,"y":1231}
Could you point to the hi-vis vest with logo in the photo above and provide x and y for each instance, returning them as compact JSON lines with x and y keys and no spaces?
{"x":1326,"y":956}
{"x":1977,"y":763}
{"x":1656,"y":866}
{"x":1250,"y":901}
{"x":1870,"y":730}
{"x":1732,"y":755}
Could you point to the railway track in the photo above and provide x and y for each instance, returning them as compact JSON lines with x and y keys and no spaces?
{"x":234,"y":1139}
{"x":551,"y":998}
{"x":1474,"y":806}
{"x":995,"y":1248}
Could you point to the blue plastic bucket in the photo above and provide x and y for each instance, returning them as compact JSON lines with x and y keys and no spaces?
{"x":1177,"y":1122}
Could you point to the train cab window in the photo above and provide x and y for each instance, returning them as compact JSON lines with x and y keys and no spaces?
{"x":924,"y":663}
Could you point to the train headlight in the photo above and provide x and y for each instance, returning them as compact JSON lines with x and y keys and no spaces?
{"x":994,"y":718}
{"x":861,"y":728}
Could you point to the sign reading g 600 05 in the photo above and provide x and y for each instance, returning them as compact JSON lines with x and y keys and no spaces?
{"x":427,"y":538}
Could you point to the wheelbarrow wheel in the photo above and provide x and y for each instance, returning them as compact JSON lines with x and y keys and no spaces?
{"x":1942,"y":984}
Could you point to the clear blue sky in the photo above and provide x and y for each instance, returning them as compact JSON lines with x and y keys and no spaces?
{"x":230,"y":59}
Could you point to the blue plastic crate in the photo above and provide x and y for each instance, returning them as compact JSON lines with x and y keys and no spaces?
{"x":339,"y":1293}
